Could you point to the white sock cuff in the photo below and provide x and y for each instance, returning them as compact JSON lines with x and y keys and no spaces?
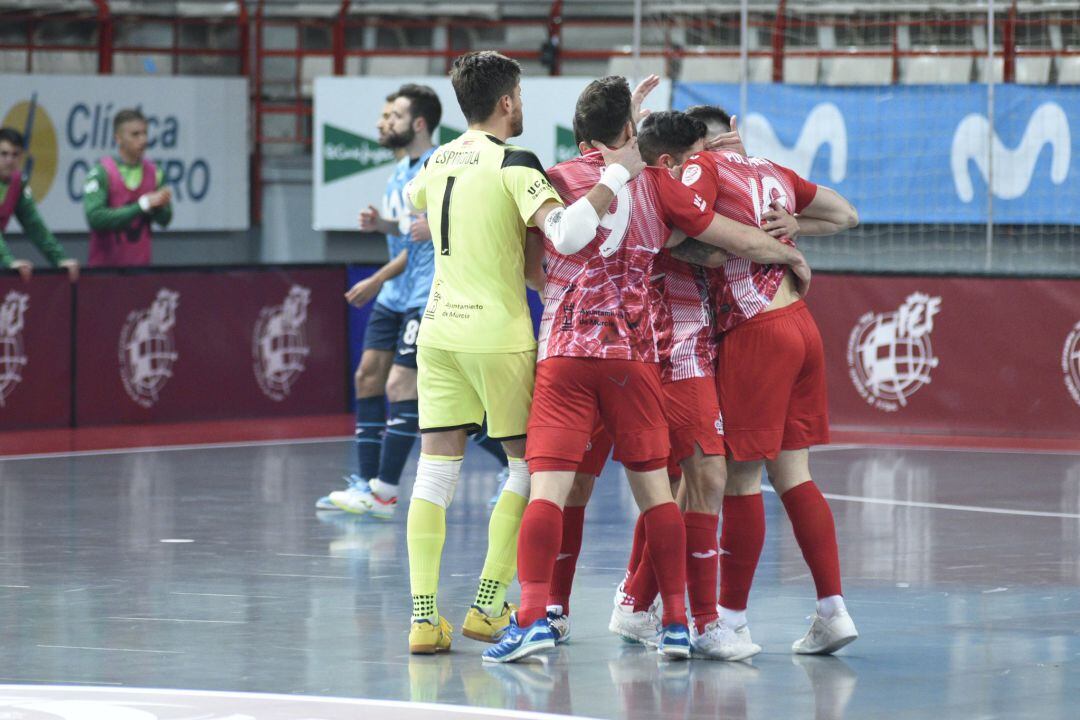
{"x":831,"y":605}
{"x":436,"y":480}
{"x":384,"y":490}
{"x":518,"y":481}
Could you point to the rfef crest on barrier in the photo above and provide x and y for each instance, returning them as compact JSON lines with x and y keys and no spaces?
{"x":12,"y":354}
{"x":1070,"y":362}
{"x":279,"y":344}
{"x":889,"y":354}
{"x":147,"y":349}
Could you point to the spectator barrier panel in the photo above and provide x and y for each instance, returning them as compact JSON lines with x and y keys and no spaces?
{"x":904,"y":354}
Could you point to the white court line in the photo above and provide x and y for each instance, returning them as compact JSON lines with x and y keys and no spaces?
{"x":180,"y":620}
{"x":79,"y":647}
{"x":174,"y":448}
{"x":941,"y":506}
{"x":387,"y":706}
{"x":940,"y":448}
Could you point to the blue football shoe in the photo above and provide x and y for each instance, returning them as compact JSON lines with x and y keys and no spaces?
{"x":352,"y":482}
{"x":674,"y":641}
{"x":518,"y":642}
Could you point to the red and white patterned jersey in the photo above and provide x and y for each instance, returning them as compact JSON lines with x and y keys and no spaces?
{"x":743,"y":189}
{"x":596,"y":302}
{"x":689,"y":348}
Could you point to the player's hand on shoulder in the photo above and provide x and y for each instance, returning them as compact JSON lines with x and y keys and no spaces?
{"x":363,"y":292}
{"x":629,"y":156}
{"x":419,"y":230}
{"x":779,"y":223}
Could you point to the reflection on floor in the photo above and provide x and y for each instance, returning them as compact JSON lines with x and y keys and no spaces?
{"x":208,"y":569}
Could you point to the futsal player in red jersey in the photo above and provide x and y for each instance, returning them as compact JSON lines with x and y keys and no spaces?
{"x":771,"y":384}
{"x":598,"y":356}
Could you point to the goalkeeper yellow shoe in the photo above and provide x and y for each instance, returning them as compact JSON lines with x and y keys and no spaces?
{"x":480,"y":626}
{"x":426,"y":638}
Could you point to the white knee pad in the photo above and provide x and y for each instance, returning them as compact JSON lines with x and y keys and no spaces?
{"x":436,"y":480}
{"x":518,"y":481}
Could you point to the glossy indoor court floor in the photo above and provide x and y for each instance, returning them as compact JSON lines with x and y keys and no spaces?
{"x":208,"y":569}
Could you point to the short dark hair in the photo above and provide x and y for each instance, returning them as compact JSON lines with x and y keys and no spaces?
{"x":602,"y":110}
{"x":13,"y":136}
{"x":423,"y":102}
{"x":125,"y":116}
{"x":710,"y":114}
{"x":670,"y":132}
{"x":480,"y":79}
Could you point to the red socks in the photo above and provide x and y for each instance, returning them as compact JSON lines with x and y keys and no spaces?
{"x":701,"y":566}
{"x":638,"y":547}
{"x":562,"y":579}
{"x":538,"y":545}
{"x":665,"y":535}
{"x":642,"y":586}
{"x":741,"y":541}
{"x":815,"y":531}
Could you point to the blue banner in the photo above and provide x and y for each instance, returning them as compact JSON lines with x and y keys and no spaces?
{"x":917,"y":154}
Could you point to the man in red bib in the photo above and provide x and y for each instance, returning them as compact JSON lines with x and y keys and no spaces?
{"x":123,"y":195}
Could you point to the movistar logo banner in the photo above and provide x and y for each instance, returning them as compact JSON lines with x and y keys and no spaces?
{"x":824,"y":125}
{"x":1013,"y":169}
{"x":345,"y":154}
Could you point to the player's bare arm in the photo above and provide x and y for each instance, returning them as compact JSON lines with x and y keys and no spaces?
{"x":365,"y":291}
{"x":696,"y":252}
{"x":757,"y":246}
{"x":828,"y":213}
{"x":535,"y":278}
{"x":572,"y":228}
{"x":369,"y":220}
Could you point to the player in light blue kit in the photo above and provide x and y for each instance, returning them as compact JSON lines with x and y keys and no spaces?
{"x":386,"y":410}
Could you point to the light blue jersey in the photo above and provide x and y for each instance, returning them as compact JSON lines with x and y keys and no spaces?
{"x":409,"y":289}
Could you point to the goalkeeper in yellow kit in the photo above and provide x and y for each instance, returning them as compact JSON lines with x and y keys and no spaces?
{"x":477,"y":352}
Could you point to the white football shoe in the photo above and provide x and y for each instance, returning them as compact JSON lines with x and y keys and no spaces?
{"x":827,"y":635}
{"x":722,"y":642}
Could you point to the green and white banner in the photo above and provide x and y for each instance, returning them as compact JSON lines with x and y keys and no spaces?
{"x":351,"y":169}
{"x":197,"y":132}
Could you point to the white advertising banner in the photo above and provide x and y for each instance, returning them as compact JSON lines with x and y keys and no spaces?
{"x":198,"y":137}
{"x":351,"y":169}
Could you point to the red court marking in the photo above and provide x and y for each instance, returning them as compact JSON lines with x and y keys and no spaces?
{"x":975,"y":442}
{"x":112,"y":437}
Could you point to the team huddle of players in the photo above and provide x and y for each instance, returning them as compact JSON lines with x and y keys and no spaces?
{"x":674,"y":336}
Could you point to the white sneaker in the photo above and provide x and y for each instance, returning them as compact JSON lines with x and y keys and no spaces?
{"x":559,"y":622}
{"x":636,"y":627}
{"x":722,"y":642}
{"x":827,"y":635}
{"x":362,"y":500}
{"x":351,"y":481}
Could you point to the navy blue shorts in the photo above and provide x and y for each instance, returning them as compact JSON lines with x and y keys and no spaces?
{"x":397,"y":331}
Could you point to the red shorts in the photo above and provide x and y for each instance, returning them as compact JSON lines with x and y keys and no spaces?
{"x":596,"y":452}
{"x":693,"y":415}
{"x":771,"y":383}
{"x":571,"y":393}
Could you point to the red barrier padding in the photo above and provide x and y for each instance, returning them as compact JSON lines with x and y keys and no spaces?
{"x":951,"y":356}
{"x":35,"y":352}
{"x":168,"y":347}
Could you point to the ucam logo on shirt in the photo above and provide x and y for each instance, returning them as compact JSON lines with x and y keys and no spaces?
{"x":918,"y":154}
